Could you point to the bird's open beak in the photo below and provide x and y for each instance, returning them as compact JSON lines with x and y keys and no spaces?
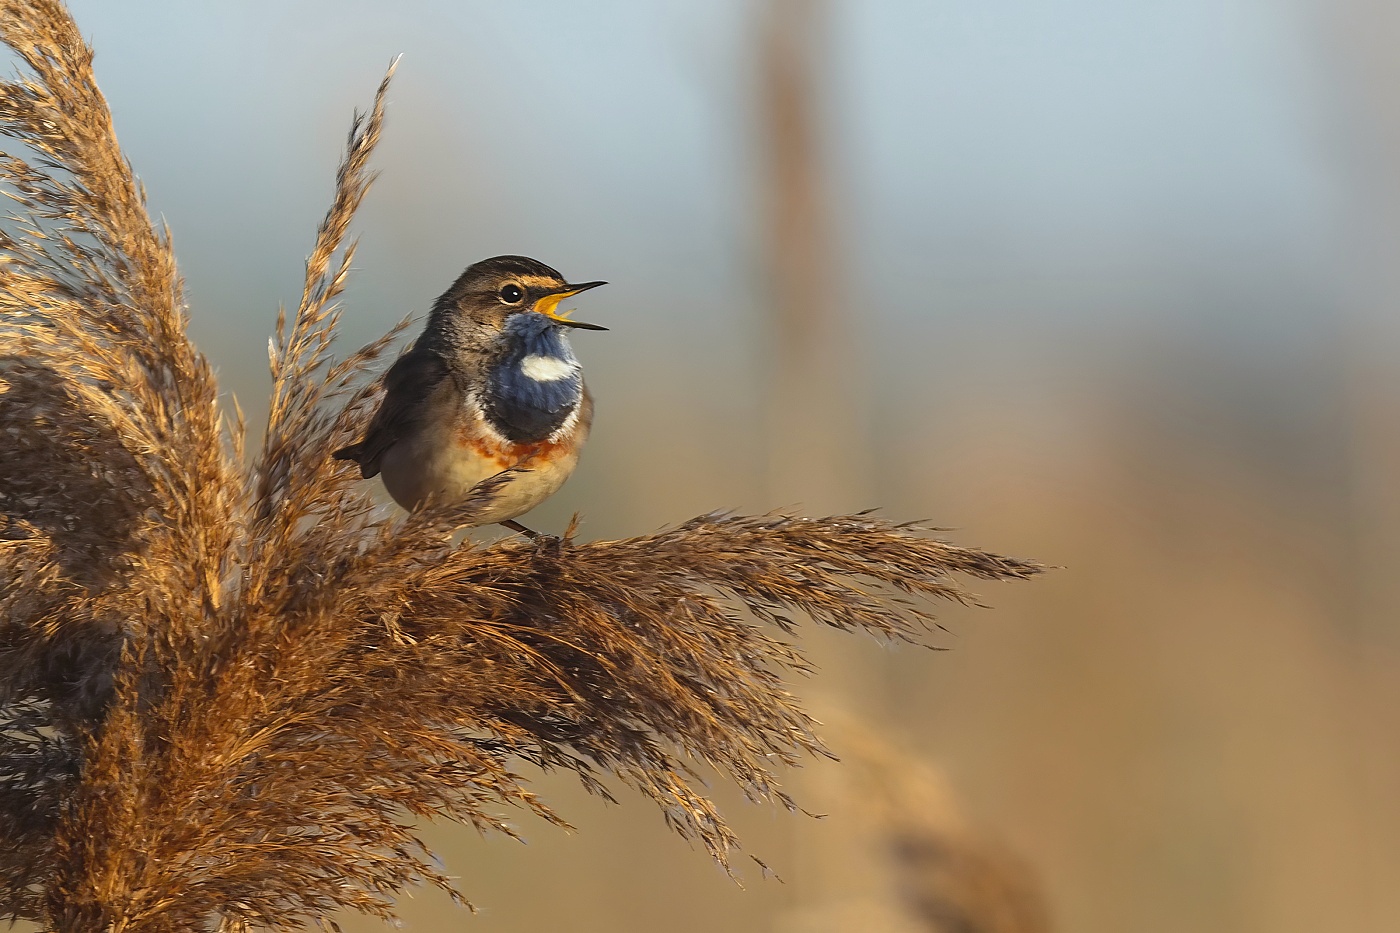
{"x":549,"y":304}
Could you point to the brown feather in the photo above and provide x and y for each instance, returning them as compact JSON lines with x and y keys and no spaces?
{"x":410,"y":388}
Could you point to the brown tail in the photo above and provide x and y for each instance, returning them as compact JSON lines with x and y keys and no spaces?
{"x":349,"y":453}
{"x":355,"y":452}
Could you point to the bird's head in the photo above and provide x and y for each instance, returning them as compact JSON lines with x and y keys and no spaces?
{"x":491,"y":292}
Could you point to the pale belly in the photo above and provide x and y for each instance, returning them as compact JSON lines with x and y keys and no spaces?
{"x":446,"y":469}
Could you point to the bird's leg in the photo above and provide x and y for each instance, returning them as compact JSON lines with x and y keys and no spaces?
{"x":548,"y":546}
{"x":513,"y":525}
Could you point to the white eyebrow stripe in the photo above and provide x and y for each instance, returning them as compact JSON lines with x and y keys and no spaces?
{"x":547,"y":368}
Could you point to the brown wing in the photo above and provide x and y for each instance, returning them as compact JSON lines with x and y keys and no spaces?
{"x":409,"y":385}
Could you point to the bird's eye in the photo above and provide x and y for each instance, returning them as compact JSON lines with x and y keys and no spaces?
{"x":511,"y":294}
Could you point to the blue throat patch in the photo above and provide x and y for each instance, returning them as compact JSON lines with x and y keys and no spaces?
{"x":520,"y":403}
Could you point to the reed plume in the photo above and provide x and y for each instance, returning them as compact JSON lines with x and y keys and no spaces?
{"x":947,"y":874}
{"x":231,"y":683}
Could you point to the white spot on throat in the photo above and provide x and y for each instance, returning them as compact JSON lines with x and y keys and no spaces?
{"x":547,"y":368}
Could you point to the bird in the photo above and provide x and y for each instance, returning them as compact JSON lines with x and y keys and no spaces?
{"x":490,"y":387}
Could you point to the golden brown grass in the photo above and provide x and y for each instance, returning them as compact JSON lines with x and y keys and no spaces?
{"x":229,"y":684}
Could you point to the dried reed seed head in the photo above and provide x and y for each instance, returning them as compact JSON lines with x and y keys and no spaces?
{"x":228,"y":691}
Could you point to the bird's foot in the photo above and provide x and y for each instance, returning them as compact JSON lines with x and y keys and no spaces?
{"x":548,"y":546}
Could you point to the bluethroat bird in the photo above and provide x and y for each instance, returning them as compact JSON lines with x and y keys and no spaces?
{"x":492,"y":384}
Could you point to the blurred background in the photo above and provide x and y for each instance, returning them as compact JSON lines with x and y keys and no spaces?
{"x":1111,"y":285}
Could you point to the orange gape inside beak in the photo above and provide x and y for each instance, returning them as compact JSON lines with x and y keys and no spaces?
{"x":549,"y":304}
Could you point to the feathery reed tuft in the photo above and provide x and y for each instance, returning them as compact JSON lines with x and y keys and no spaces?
{"x":228,"y":691}
{"x":945,"y":874}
